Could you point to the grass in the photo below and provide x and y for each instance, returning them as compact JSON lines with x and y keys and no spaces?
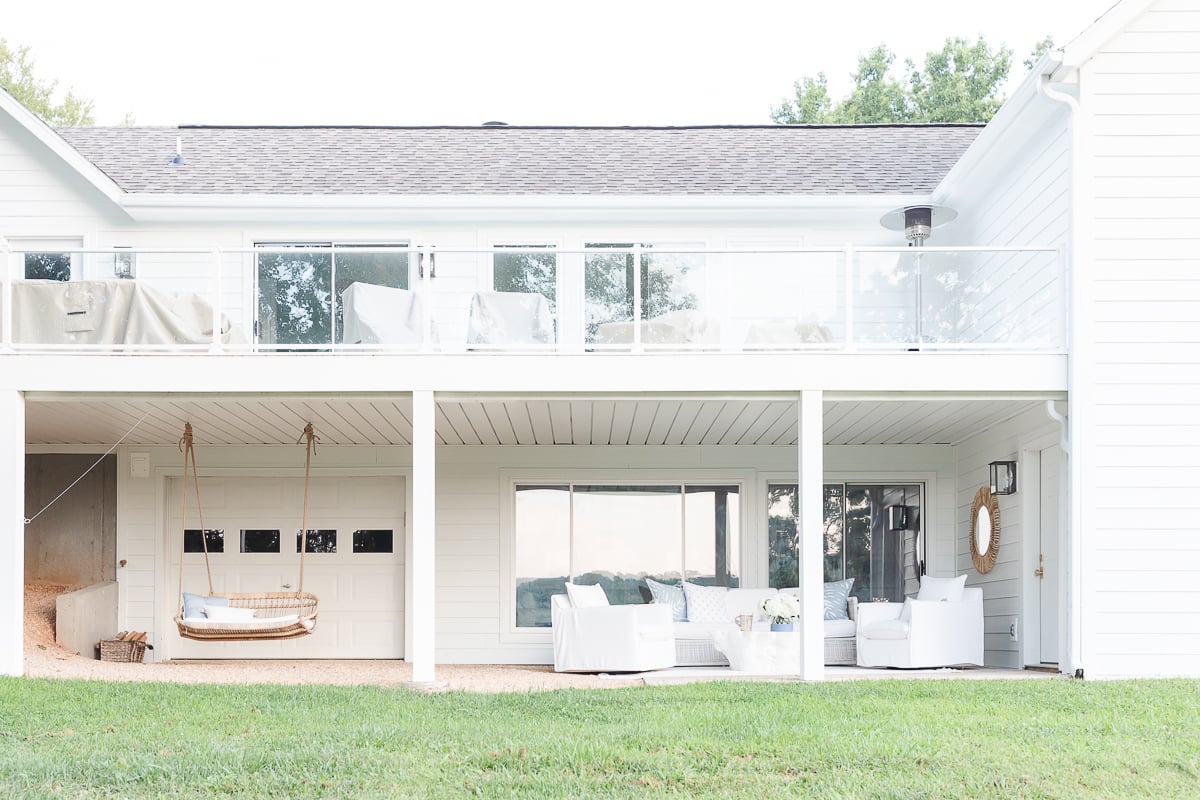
{"x":870,"y":739}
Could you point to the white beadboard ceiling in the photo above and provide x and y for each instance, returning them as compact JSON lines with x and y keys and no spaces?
{"x":100,"y":422}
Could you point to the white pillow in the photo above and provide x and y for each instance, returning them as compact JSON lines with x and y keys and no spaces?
{"x":948,"y":589}
{"x":586,"y":596}
{"x":229,"y":613}
{"x":705,"y":603}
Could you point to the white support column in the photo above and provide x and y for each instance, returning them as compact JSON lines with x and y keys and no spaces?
{"x":811,"y":492}
{"x":12,"y":531}
{"x":422,"y":569}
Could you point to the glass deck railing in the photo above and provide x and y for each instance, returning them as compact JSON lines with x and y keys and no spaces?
{"x":611,"y":297}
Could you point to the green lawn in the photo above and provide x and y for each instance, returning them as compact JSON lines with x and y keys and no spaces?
{"x":871,"y":739}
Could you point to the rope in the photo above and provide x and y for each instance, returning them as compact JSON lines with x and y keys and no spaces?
{"x":189,"y":457}
{"x":310,"y":438}
{"x":29,"y":520}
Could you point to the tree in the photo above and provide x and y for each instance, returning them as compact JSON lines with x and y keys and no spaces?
{"x":17,"y":76}
{"x":962,"y":82}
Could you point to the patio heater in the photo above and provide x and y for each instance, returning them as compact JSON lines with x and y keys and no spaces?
{"x":918,"y":223}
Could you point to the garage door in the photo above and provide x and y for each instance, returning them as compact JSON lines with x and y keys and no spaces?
{"x":355,"y":563}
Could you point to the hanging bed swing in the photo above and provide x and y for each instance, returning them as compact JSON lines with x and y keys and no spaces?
{"x":239,"y":616}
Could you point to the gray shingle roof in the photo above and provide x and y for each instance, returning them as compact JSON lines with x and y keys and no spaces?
{"x":759,"y":160}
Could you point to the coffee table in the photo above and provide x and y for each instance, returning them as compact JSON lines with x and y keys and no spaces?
{"x":761,"y":652}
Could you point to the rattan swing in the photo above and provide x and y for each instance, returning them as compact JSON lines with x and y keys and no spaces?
{"x":277,"y":615}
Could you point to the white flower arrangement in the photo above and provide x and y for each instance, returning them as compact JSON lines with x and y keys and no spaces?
{"x":782,"y":608}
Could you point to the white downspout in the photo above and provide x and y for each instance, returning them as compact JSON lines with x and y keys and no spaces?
{"x":1075,"y":283}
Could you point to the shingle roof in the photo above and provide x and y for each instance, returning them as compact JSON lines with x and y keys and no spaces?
{"x":509,"y":160}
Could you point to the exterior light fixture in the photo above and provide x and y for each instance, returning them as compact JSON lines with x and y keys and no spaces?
{"x":917,"y":222}
{"x":1002,"y":477}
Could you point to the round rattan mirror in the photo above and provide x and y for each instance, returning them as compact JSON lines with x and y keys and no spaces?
{"x":985,"y":530}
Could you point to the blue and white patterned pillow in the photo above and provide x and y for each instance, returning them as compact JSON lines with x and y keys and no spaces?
{"x":706,"y":603}
{"x":671,"y":595}
{"x":837,"y":594}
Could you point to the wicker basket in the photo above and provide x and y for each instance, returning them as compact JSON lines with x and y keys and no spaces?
{"x":120,"y":650}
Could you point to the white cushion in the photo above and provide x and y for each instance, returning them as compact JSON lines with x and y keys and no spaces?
{"x":706,"y":603}
{"x":228,"y":614}
{"x":886,"y":629}
{"x":948,"y":589}
{"x":586,"y":596}
{"x":840,"y":628}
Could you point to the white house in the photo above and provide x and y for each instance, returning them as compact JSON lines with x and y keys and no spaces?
{"x":452,"y":309}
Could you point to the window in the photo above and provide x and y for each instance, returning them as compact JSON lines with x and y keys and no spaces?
{"x":670,"y":282}
{"x":47,"y":259}
{"x":299,"y":287}
{"x":373,"y":541}
{"x":617,"y":536}
{"x":319,"y":541}
{"x":858,"y":542}
{"x":260,"y":541}
{"x":527,"y":272}
{"x":192,"y":543}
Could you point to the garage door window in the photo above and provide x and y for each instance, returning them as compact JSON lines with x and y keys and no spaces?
{"x":193,"y":544}
{"x":319,"y":541}
{"x":373,"y":541}
{"x":260,"y":541}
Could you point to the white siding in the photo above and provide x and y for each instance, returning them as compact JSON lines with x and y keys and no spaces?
{"x":1003,"y":586}
{"x":1018,"y":193}
{"x":1141,"y":559}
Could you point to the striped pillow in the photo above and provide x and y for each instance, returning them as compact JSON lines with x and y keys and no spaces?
{"x":837,"y":594}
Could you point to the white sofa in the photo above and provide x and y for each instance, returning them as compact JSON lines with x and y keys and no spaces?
{"x":694,"y":644}
{"x":624,"y":638}
{"x":931,"y":633}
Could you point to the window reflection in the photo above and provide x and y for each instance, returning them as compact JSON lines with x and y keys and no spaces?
{"x":617,"y":536}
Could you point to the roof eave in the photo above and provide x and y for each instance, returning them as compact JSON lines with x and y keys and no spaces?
{"x":1081,"y":49}
{"x":59,"y":147}
{"x":163,"y":207}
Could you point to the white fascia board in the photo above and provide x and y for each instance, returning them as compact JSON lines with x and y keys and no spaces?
{"x":196,"y":207}
{"x":59,"y":147}
{"x":1027,"y":109}
{"x":1080,"y":49}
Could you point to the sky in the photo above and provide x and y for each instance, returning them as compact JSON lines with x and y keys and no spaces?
{"x":524,"y":62}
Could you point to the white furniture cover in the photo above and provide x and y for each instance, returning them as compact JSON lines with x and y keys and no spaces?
{"x":773,"y":333}
{"x":624,"y":638}
{"x":111,"y":312}
{"x":674,"y":327}
{"x":374,"y":314}
{"x":936,"y":634}
{"x":510,"y":319}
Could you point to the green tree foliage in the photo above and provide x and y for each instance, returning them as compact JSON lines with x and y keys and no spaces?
{"x":17,"y":76}
{"x":961,"y":82}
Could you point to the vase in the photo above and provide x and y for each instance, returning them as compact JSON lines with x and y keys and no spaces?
{"x":785,"y":627}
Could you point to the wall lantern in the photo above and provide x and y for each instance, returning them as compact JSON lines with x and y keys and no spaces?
{"x":1003,"y":477}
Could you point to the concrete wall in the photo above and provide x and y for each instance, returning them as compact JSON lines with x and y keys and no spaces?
{"x":85,"y":617}
{"x":72,"y":542}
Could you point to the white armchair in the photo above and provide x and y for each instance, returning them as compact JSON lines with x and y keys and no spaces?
{"x":625,"y":638}
{"x":930,"y":633}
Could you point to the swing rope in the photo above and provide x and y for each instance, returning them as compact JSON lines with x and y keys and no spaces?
{"x":310,"y":438}
{"x":189,"y":462}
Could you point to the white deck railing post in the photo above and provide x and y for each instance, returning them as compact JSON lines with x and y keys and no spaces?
{"x":848,"y":254}
{"x":637,"y":298}
{"x":218,"y":314}
{"x":6,"y":295}
{"x":12,"y":528}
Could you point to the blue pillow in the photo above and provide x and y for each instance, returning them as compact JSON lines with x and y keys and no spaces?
{"x":837,"y":594}
{"x":669,"y":595}
{"x":193,"y":604}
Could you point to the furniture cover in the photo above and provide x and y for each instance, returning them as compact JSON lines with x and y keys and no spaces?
{"x":674,"y":327}
{"x":110,"y":312}
{"x":510,"y":319}
{"x":624,"y":638}
{"x":374,"y":314}
{"x":776,"y":333}
{"x":931,"y":633}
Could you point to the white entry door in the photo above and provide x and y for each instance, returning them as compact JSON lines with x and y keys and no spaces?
{"x":355,"y":563}
{"x":1052,"y":506}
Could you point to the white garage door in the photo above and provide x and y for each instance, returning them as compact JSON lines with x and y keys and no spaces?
{"x":355,"y":563}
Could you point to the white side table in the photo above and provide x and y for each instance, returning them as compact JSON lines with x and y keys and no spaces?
{"x":761,"y":652}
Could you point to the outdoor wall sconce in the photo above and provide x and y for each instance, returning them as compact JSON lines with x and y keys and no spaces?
{"x":1003,"y":477}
